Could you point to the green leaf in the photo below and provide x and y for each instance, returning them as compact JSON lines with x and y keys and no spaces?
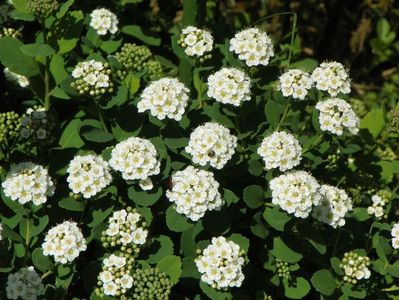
{"x":388,"y":169}
{"x":276,"y":218}
{"x":296,"y":290}
{"x":95,"y":134}
{"x":213,"y":111}
{"x":37,"y":229}
{"x":165,"y":249}
{"x":12,"y":57}
{"x":313,"y":235}
{"x":255,"y":167}
{"x":242,"y":241}
{"x":394,"y":269}
{"x":175,"y":221}
{"x":110,"y":46}
{"x":352,"y":291}
{"x":70,"y":137}
{"x":257,"y":226}
{"x":144,"y":198}
{"x":137,"y":32}
{"x":273,"y":112}
{"x":230,"y":197}
{"x":99,"y":215}
{"x":254,"y":196}
{"x":323,"y":281}
{"x":283,"y":252}
{"x":374,"y":122}
{"x":213,"y":293}
{"x":37,"y":50}
{"x":171,"y":266}
{"x":307,"y":64}
{"x":64,"y":8}
{"x":71,"y":204}
{"x":57,"y":68}
{"x":41,"y":262}
{"x":360,"y":214}
{"x":132,"y":83}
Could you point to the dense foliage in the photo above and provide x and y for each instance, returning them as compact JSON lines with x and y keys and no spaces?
{"x":198,"y":150}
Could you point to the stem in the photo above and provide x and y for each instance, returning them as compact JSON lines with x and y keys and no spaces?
{"x":391,"y":289}
{"x":336,"y":242}
{"x":46,"y":73}
{"x":101,"y":117}
{"x":314,"y":144}
{"x":287,"y":108}
{"x":48,"y":273}
{"x":27,"y":237}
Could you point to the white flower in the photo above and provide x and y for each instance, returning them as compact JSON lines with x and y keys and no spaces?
{"x":25,"y":284}
{"x":295,"y":83}
{"x":102,"y":20}
{"x":336,"y":115}
{"x":355,"y":267}
{"x":280,"y":150}
{"x":221,"y":264}
{"x":211,"y":143}
{"x":135,"y":158}
{"x":1,"y":232}
{"x":196,"y":41}
{"x":395,"y":236}
{"x":334,"y":205}
{"x":194,"y":192}
{"x":22,"y":81}
{"x":295,"y":192}
{"x":146,"y":184}
{"x":28,"y":182}
{"x":64,"y":241}
{"x":332,"y":77}
{"x":253,"y":46}
{"x":164,"y":98}
{"x":88,"y":175}
{"x":377,"y":208}
{"x":229,"y":86}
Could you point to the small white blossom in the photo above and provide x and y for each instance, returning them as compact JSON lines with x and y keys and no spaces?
{"x":28,"y":182}
{"x":194,"y":192}
{"x":221,"y":264}
{"x":211,"y":143}
{"x":229,"y":86}
{"x":22,"y":81}
{"x":395,"y":236}
{"x":135,"y":158}
{"x":88,"y":175}
{"x":102,"y":20}
{"x":334,"y":205}
{"x":164,"y":98}
{"x":1,"y":232}
{"x":25,"y":284}
{"x":295,"y":83}
{"x":332,"y":77}
{"x":64,"y":241}
{"x":253,"y":46}
{"x":377,"y":208}
{"x":195,"y":41}
{"x":295,"y":192}
{"x":280,"y":150}
{"x":355,"y":267}
{"x":335,"y":115}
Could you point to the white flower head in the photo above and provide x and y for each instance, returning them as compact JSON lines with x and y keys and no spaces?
{"x":194,"y":192}
{"x":395,"y":236}
{"x":88,"y":175}
{"x":229,"y":86}
{"x":332,"y":77}
{"x":296,"y":192}
{"x":28,"y":182}
{"x":295,"y":83}
{"x":336,"y":115}
{"x":135,"y":158}
{"x":164,"y":98}
{"x":355,"y":267}
{"x":25,"y":284}
{"x":21,"y":80}
{"x":253,"y":46}
{"x":211,"y":143}
{"x":195,"y":41}
{"x":103,"y":21}
{"x":280,"y":150}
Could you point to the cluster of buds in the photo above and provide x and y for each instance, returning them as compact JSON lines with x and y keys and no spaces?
{"x":154,"y":70}
{"x":38,"y":125}
{"x":42,"y":8}
{"x":10,"y":123}
{"x":387,"y":153}
{"x":283,"y":269}
{"x":355,"y":267}
{"x":151,"y":284}
{"x":10,"y":32}
{"x":379,"y":201}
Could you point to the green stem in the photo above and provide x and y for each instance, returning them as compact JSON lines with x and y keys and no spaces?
{"x":287,"y":108}
{"x":27,"y":237}
{"x":48,"y":273}
{"x":391,"y":289}
{"x":336,"y":242}
{"x":101,"y":117}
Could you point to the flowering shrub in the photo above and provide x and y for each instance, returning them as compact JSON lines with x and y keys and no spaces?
{"x":145,"y":159}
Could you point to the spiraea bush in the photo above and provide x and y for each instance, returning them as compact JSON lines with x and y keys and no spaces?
{"x":188,"y":161}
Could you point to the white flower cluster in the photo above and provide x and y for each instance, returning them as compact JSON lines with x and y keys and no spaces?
{"x":25,"y":284}
{"x":196,"y":41}
{"x":211,"y":143}
{"x":334,"y":205}
{"x":295,"y":83}
{"x":253,"y":46}
{"x":395,"y":236}
{"x":92,"y":78}
{"x":229,"y":86}
{"x":88,"y":175}
{"x":64,"y":241}
{"x":114,"y":277}
{"x":22,"y":81}
{"x":355,"y":267}
{"x":28,"y":182}
{"x":377,"y":208}
{"x":166,"y":97}
{"x":102,"y":20}
{"x":38,"y":125}
{"x":194,"y":192}
{"x":125,"y":227}
{"x":280,"y":150}
{"x":295,"y":192}
{"x":335,"y":115}
{"x":332,"y":77}
{"x":135,"y":158}
{"x":221,"y":264}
